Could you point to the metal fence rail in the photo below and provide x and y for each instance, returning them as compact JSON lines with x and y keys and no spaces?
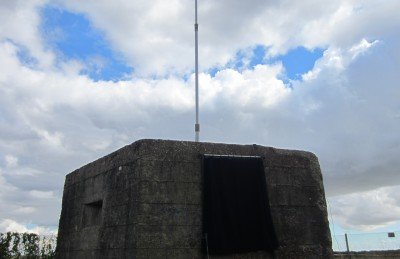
{"x":366,"y":242}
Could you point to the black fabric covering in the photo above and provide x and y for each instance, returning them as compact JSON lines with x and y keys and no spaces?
{"x":236,"y":214}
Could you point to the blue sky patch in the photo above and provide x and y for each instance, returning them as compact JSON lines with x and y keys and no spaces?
{"x":24,"y":56}
{"x":298,"y":61}
{"x":213,"y":71}
{"x":239,"y":61}
{"x":72,"y":36}
{"x":258,"y":56}
{"x":248,"y":58}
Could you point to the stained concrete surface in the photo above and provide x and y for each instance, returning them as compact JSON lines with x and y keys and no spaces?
{"x":145,"y":201}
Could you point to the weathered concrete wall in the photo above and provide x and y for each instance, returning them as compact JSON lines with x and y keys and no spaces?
{"x":145,"y":201}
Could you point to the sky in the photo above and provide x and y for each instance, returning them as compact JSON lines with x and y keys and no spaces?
{"x":80,"y":79}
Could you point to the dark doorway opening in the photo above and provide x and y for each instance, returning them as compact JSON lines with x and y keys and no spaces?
{"x":236,"y":213}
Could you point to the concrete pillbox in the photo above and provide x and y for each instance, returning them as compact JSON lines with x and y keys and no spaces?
{"x":145,"y":201}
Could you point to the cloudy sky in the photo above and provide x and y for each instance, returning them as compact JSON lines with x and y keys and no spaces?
{"x":80,"y":79}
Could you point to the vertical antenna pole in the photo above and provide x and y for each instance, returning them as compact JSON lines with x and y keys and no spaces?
{"x":196,"y":29}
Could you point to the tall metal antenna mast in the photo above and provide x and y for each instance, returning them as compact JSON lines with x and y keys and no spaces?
{"x":196,"y":29}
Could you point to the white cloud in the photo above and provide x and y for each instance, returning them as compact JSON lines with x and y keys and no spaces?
{"x":157,"y":37}
{"x":25,"y":210}
{"x":367,"y":210}
{"x":41,"y":194}
{"x":11,"y":161}
{"x":20,"y":22}
{"x":338,"y":59}
{"x":9,"y":225}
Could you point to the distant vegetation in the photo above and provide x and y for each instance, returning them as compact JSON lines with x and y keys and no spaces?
{"x":27,"y":245}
